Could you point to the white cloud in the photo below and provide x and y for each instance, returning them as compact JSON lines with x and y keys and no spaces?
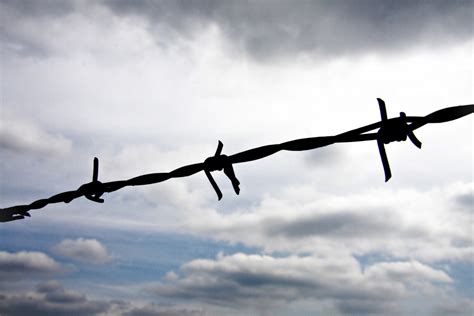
{"x":83,"y":250}
{"x":27,"y":264}
{"x":428,"y":226}
{"x":406,"y":271}
{"x":262,"y":281}
{"x":26,"y":137}
{"x":171,"y":276}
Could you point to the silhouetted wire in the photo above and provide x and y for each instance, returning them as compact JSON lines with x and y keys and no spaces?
{"x":389,"y":130}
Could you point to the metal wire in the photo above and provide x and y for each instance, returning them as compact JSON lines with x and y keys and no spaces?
{"x":389,"y":130}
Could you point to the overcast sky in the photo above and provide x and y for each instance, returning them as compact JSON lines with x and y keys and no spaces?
{"x":149,"y":86}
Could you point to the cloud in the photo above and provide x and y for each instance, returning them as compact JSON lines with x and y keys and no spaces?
{"x":465,"y":200}
{"x":48,"y":8}
{"x":83,"y":250}
{"x":260,"y":280}
{"x":27,"y":264}
{"x":453,"y":307}
{"x":263,"y":30}
{"x":26,"y":26}
{"x":54,"y":292}
{"x":268,"y":29}
{"x":406,"y":271}
{"x":51,"y":299}
{"x":342,"y":224}
{"x":151,"y":310}
{"x":401,"y":223}
{"x":323,"y":157}
{"x":24,"y":137}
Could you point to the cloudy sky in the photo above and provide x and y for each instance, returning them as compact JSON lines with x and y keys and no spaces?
{"x":149,"y":86}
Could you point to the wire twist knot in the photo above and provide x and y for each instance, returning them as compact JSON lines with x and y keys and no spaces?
{"x":220,"y":162}
{"x":94,"y":189}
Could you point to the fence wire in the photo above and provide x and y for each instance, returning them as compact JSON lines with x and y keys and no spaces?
{"x":388,"y":130}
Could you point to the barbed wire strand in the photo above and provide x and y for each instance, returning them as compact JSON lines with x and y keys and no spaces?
{"x":389,"y":130}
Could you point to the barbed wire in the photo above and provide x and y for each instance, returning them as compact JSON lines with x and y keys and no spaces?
{"x":389,"y":130}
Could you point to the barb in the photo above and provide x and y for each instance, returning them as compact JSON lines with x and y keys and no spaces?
{"x":94,"y":189}
{"x":219,"y":162}
{"x":388,"y":130}
{"x":393,"y":130}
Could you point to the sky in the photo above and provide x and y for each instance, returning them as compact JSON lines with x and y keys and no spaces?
{"x":149,"y":86}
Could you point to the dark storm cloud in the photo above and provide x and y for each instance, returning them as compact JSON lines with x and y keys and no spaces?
{"x":265,"y":29}
{"x":14,"y":14}
{"x":51,"y":299}
{"x":54,"y":292}
{"x":46,"y":8}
